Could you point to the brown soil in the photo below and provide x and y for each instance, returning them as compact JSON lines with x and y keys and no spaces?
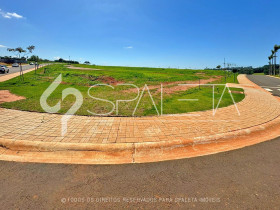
{"x":103,"y":79}
{"x":171,"y":87}
{"x":200,"y":73}
{"x":237,"y":92}
{"x":6,"y":96}
{"x":109,"y":80}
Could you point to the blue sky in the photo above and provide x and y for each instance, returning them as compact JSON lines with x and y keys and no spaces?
{"x":175,"y":33}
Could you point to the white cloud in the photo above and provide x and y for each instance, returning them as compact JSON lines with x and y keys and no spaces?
{"x":2,"y":46}
{"x":15,"y":15}
{"x":56,"y":58}
{"x":10,"y":15}
{"x":128,"y":47}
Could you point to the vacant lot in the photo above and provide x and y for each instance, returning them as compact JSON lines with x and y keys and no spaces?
{"x":34,"y":85}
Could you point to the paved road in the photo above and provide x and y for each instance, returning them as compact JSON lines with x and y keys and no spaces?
{"x":17,"y":69}
{"x":242,"y":179}
{"x":271,"y":84}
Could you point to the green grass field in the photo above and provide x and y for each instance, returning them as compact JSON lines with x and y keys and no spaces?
{"x":34,"y":85}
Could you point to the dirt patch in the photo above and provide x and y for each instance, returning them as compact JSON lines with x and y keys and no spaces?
{"x":200,"y":73}
{"x":237,"y":92}
{"x":171,"y":87}
{"x":103,"y":79}
{"x":47,"y":78}
{"x":6,"y":96}
{"x":109,"y":80}
{"x":82,"y":68}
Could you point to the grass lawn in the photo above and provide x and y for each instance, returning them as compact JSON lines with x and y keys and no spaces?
{"x":34,"y":85}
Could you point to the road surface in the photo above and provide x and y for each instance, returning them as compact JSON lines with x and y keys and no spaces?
{"x":271,"y":84}
{"x":247,"y":178}
{"x":17,"y":69}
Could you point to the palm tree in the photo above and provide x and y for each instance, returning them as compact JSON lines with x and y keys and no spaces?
{"x":269,"y":58}
{"x":18,"y":51}
{"x":271,"y":62}
{"x":276,"y":48}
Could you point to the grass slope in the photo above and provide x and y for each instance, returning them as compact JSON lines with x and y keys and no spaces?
{"x":34,"y":85}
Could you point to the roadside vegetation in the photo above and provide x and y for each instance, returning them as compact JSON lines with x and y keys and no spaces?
{"x":82,"y":77}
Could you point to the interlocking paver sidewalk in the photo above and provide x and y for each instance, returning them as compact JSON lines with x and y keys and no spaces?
{"x":257,"y":109}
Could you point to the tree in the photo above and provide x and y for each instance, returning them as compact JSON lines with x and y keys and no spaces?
{"x":34,"y":58}
{"x":18,"y":52}
{"x":270,"y":67}
{"x":276,"y":48}
{"x":60,"y":60}
{"x":234,"y":71}
{"x":87,"y":62}
{"x":218,"y":67}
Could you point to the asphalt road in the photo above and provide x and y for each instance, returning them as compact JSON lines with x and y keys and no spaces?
{"x":247,"y":178}
{"x":17,"y":69}
{"x":271,"y":84}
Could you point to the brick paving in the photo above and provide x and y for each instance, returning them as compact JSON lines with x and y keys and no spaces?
{"x":258,"y":107}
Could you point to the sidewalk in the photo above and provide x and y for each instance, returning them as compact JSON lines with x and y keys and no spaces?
{"x":16,"y":74}
{"x":35,"y":137}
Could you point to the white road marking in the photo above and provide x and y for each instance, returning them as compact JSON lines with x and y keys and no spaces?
{"x":268,"y":89}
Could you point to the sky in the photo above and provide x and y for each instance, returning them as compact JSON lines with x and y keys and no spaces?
{"x":156,"y":33}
